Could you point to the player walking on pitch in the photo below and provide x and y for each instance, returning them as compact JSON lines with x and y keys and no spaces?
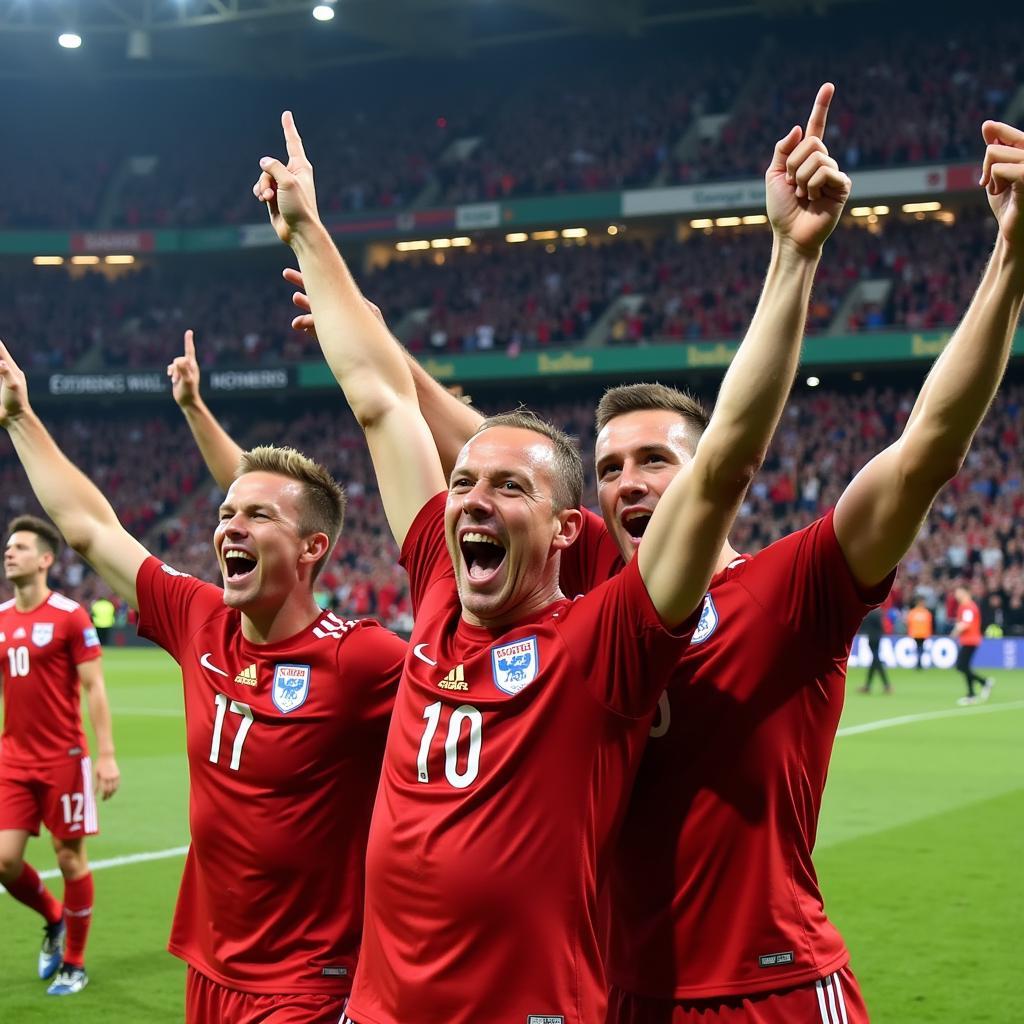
{"x":286,"y":709}
{"x":967,"y":633}
{"x":521,"y":714}
{"x":48,"y":650}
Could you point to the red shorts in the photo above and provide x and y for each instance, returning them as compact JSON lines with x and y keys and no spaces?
{"x":206,"y":1002}
{"x":835,"y":999}
{"x":60,"y":796}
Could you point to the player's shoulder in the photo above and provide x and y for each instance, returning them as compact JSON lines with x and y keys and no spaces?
{"x":62,"y":604}
{"x":6,"y":606}
{"x":332,"y":629}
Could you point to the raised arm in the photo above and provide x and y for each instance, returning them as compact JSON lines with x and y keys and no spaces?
{"x":452,"y":421}
{"x":219,"y":451}
{"x":108,"y":775}
{"x":74,"y":503}
{"x":805,"y":193}
{"x":882,"y":510}
{"x":365,"y":361}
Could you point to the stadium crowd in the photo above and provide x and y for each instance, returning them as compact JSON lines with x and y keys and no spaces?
{"x":499,"y":297}
{"x":915,"y":95}
{"x":974,"y":534}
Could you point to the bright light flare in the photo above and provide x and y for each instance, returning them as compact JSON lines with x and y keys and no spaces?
{"x":69,"y":40}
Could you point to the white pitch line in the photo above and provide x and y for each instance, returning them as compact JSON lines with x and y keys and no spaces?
{"x":117,"y":862}
{"x":927,"y":716}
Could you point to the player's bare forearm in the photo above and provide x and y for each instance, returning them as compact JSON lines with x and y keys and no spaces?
{"x":452,"y":422}
{"x":882,"y":510}
{"x":363,"y":357}
{"x":91,"y":676}
{"x":219,"y":451}
{"x":77,"y":506}
{"x":758,"y":381}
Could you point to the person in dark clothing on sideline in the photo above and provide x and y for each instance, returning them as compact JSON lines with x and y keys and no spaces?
{"x":873,"y":631}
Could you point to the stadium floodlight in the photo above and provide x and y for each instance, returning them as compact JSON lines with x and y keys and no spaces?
{"x":48,"y":261}
{"x":861,"y":211}
{"x":702,"y":222}
{"x":461,"y":242}
{"x":727,"y":222}
{"x":119,"y":260}
{"x":323,"y":12}
{"x":613,"y":229}
{"x":755,"y":218}
{"x":69,"y":40}
{"x":544,"y":236}
{"x":574,"y":233}
{"x":813,"y":382}
{"x":412,"y":246}
{"x":85,"y":261}
{"x":880,"y":211}
{"x":929,"y":207}
{"x":517,"y":236}
{"x":441,"y":243}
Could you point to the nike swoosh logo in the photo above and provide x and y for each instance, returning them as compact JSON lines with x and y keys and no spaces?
{"x":205,"y":662}
{"x":418,"y":651}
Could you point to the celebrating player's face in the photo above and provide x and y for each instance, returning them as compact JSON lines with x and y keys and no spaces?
{"x":500,"y":522}
{"x":258,"y":540}
{"x":23,"y":557}
{"x":637,"y":456}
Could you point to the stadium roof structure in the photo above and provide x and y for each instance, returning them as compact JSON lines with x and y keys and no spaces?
{"x":266,"y":38}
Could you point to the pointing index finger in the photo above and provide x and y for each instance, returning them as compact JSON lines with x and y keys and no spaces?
{"x":190,"y":344}
{"x":819,"y":112}
{"x":292,"y":140}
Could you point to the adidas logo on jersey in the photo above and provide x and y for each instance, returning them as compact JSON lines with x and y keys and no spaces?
{"x":331,"y":626}
{"x":247,"y":677}
{"x":455,"y":680}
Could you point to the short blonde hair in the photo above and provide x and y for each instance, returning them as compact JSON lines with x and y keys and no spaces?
{"x":323,"y":505}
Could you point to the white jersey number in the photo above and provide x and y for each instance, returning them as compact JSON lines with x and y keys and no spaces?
{"x":463,"y":713}
{"x":18,"y":657}
{"x":223,"y":706}
{"x":663,"y":719}
{"x":74,"y":806}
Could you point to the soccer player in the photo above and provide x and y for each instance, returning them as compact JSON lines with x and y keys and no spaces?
{"x":716,"y":911}
{"x":48,"y":650}
{"x":873,"y":628}
{"x":286,"y":706}
{"x":967,"y":633}
{"x":520,"y":714}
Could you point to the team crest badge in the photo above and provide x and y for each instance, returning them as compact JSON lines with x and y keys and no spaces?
{"x":291,"y":687}
{"x":42,"y":633}
{"x":515,"y":665}
{"x":708,"y":621}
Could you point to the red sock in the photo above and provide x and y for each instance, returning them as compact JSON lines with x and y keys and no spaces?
{"x":28,"y":888}
{"x":78,"y":916}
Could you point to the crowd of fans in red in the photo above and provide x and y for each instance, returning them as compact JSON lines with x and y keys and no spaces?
{"x":975,"y":533}
{"x":499,"y":297}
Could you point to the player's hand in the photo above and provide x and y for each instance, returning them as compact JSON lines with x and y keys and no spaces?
{"x":184,"y":373}
{"x":13,"y":389}
{"x":108,"y":776}
{"x":287,"y":189}
{"x":1002,"y":174}
{"x":304,"y":321}
{"x":804,"y":188}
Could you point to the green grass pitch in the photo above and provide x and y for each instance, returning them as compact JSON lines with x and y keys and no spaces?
{"x":919,"y":853}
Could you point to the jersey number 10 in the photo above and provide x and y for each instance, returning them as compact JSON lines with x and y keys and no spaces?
{"x":463,"y":713}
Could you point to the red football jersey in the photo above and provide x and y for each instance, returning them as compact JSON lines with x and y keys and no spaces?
{"x":284,"y":748}
{"x":39,"y":654}
{"x":507,"y":764}
{"x":713,"y":889}
{"x":968,"y":616}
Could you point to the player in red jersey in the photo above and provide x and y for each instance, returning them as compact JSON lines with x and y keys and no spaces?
{"x":287,"y":709}
{"x":967,"y":633}
{"x":520,"y":715}
{"x":48,"y":650}
{"x":716,"y":911}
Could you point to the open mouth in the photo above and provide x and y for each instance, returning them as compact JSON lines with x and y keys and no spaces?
{"x":238,"y":565}
{"x":482,"y":554}
{"x":635,"y":523}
